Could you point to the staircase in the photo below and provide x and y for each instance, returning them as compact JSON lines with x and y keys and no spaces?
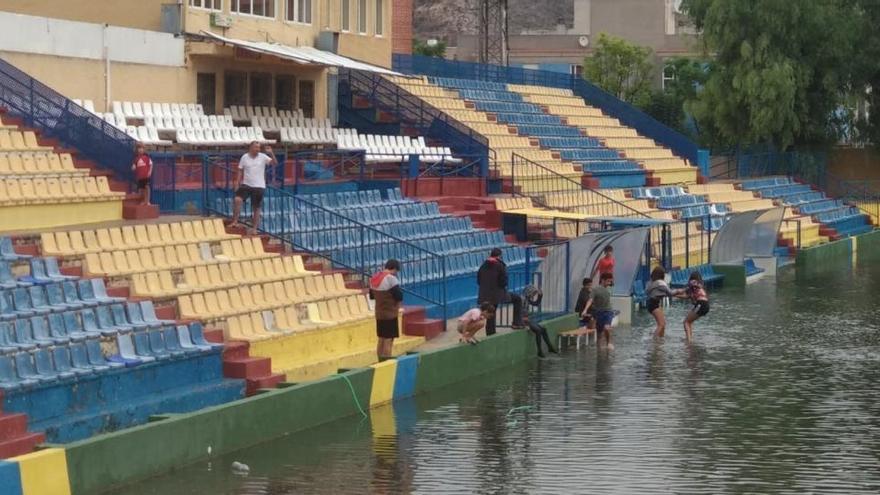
{"x":131,"y":207}
{"x":14,"y":438}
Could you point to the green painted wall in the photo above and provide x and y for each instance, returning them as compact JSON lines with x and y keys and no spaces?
{"x":106,"y":461}
{"x":447,"y":366}
{"x":868,"y":242}
{"x":129,"y":455}
{"x":734,"y":275}
{"x":833,"y":252}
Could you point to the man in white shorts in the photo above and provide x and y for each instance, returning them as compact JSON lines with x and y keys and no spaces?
{"x":251,"y":182}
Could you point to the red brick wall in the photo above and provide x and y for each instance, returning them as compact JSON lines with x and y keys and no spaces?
{"x":402,"y":26}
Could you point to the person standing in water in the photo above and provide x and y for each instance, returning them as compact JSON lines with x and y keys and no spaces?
{"x":657,"y":290}
{"x":602,"y":310}
{"x":696,"y":292}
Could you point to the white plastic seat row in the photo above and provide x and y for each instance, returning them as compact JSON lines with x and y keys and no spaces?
{"x":138,"y":110}
{"x":318,"y":135}
{"x":146,"y":135}
{"x":227,"y":136}
{"x":89,"y":105}
{"x":395,"y":148}
{"x":113,"y":120}
{"x":202,"y":122}
{"x":275,"y":124}
{"x":243,"y":112}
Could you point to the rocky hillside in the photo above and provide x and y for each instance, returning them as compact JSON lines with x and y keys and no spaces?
{"x":446,"y":19}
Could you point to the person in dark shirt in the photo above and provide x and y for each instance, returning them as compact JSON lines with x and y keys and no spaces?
{"x":584,"y":304}
{"x":385,"y":290}
{"x":492,"y":282}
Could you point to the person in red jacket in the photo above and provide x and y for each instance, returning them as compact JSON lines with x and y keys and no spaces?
{"x":142,"y":166}
{"x":605,"y":263}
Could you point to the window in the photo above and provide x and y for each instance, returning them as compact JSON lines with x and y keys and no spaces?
{"x":235,"y":89}
{"x":668,"y":75}
{"x":362,"y":16}
{"x":207,"y":4}
{"x":380,"y":17}
{"x":346,"y":15}
{"x":285,"y":93}
{"x":206,"y":91}
{"x":261,"y":89}
{"x":262,"y":8}
{"x":307,"y":98}
{"x":299,"y":11}
{"x":576,"y":70}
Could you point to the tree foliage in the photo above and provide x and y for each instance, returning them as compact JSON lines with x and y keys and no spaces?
{"x":781,"y":69}
{"x":669,"y":105}
{"x":423,"y":48}
{"x":621,"y":68}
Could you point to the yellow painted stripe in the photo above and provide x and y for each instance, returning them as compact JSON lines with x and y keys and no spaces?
{"x":384,"y":374}
{"x":44,"y":472}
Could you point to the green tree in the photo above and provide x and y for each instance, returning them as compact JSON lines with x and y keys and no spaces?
{"x":782,"y":69}
{"x":684,"y":77}
{"x":423,"y":48}
{"x":621,"y":68}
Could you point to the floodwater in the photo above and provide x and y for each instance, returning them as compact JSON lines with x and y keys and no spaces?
{"x":778,"y":395}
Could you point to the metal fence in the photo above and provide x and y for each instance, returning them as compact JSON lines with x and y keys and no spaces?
{"x":343,"y":242}
{"x":44,"y":108}
{"x":550,"y":189}
{"x":415,"y":112}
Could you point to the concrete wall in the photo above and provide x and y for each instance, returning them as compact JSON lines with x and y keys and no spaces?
{"x":823,"y":257}
{"x":106,"y":461}
{"x":326,"y":16}
{"x":140,"y":14}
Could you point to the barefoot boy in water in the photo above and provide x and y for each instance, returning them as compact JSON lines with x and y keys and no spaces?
{"x":602,"y":310}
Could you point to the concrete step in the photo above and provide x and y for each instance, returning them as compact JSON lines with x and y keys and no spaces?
{"x":236,"y":350}
{"x":137,"y":211}
{"x":427,"y":328}
{"x":21,"y":445}
{"x":12,"y":425}
{"x":248,"y":367}
{"x":252,"y":385}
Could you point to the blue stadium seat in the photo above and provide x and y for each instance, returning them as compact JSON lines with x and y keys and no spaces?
{"x":7,"y":251}
{"x":9,"y":379}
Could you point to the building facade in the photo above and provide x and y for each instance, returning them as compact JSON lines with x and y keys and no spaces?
{"x":656,"y":24}
{"x":153,"y":50}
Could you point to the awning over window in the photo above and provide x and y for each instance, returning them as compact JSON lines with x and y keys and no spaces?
{"x":305,"y":55}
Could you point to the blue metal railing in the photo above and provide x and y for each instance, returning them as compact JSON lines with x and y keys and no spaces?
{"x":44,"y":108}
{"x":345,"y":243}
{"x":415,"y":112}
{"x":626,"y":113}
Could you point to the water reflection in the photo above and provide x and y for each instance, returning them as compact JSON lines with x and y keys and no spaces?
{"x":777,"y":395}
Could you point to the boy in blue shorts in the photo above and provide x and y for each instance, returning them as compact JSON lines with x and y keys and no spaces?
{"x":602,"y":310}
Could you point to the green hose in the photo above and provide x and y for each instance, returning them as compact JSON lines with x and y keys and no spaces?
{"x":354,"y":395}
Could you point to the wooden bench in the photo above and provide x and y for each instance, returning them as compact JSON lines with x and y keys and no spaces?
{"x":577,"y":335}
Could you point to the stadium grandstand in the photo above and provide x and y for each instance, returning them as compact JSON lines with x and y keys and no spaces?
{"x":112,"y":311}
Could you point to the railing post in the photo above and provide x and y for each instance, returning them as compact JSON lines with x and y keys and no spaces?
{"x":206,"y":174}
{"x":567,"y":276}
{"x":31,"y":97}
{"x":687,"y":244}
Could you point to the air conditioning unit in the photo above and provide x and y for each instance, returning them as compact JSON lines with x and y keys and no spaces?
{"x":221,"y":20}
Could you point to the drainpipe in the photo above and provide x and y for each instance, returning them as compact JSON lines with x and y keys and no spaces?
{"x":106,"y":53}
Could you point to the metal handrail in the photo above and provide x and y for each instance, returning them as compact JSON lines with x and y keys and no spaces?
{"x":555,"y":176}
{"x":289,"y":238}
